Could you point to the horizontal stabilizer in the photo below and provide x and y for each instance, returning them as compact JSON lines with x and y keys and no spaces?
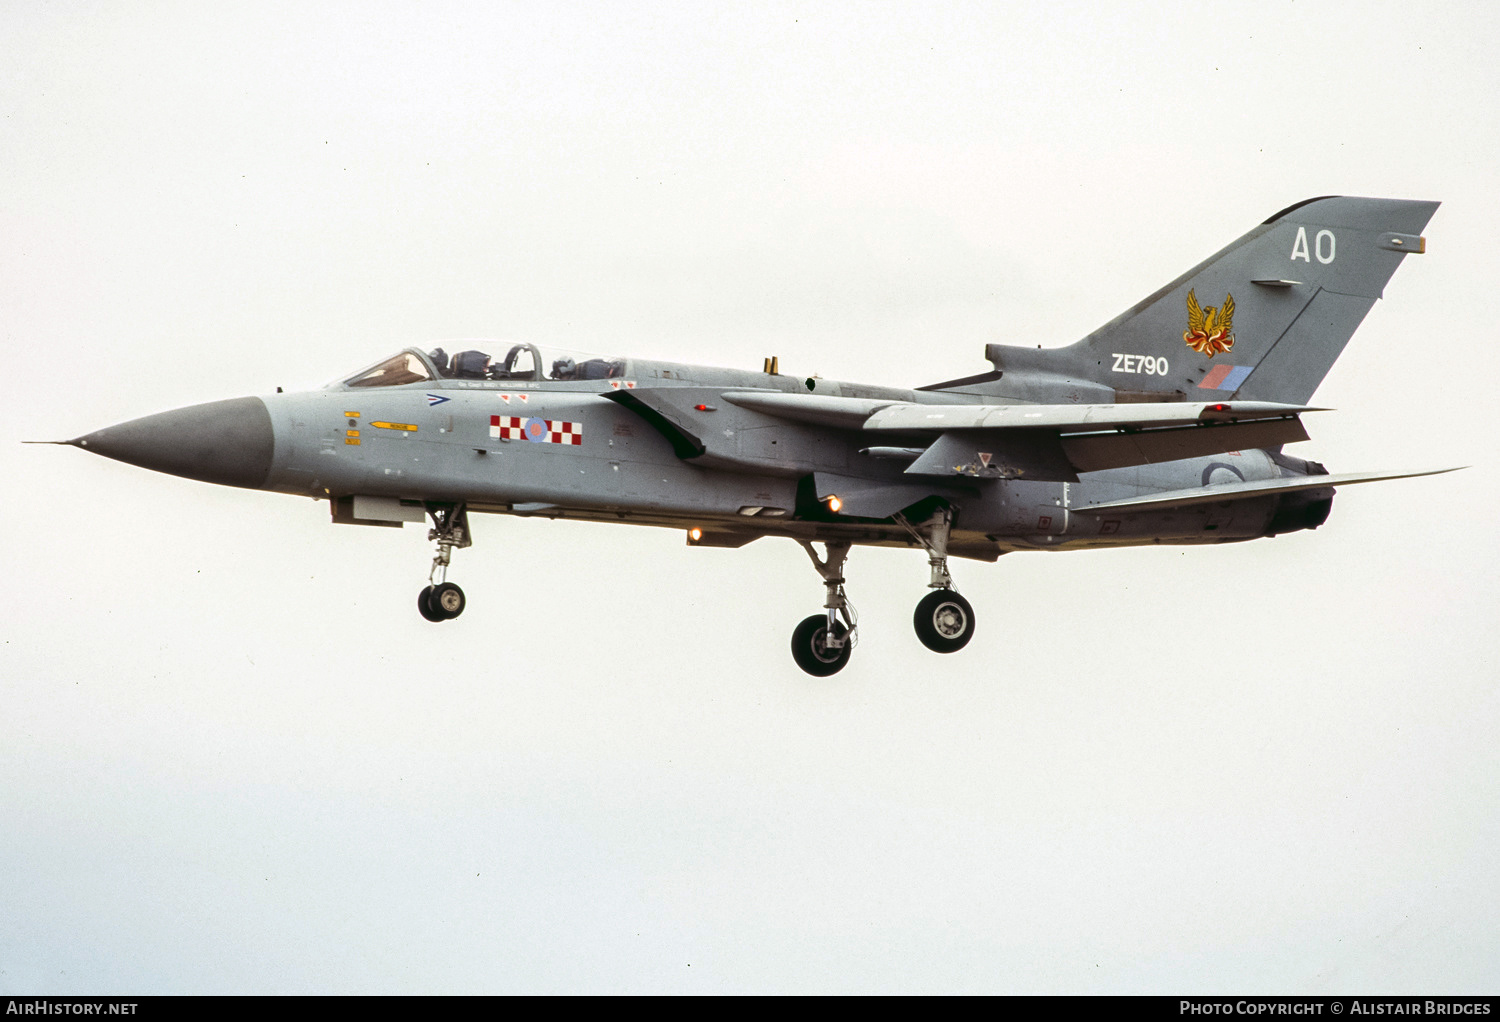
{"x":1045,"y":454}
{"x":1246,"y":491}
{"x":1095,"y":452}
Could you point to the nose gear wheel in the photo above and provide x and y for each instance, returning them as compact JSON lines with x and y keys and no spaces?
{"x":442,"y":600}
{"x":447,"y":599}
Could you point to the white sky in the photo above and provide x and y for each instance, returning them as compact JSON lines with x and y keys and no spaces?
{"x":234,"y":759}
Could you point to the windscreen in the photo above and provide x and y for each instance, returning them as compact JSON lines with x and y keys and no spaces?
{"x":407,"y":367}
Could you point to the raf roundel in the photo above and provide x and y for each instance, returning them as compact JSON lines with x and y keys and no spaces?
{"x":536,"y":429}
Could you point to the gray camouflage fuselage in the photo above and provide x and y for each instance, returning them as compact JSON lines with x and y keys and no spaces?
{"x":1167,"y":425}
{"x":627,"y":471}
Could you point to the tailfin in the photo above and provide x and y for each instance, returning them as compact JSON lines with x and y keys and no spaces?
{"x":1262,"y":320}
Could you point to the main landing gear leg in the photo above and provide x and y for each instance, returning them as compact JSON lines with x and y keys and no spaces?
{"x":822,"y":643}
{"x":944,"y":620}
{"x":442,"y":599}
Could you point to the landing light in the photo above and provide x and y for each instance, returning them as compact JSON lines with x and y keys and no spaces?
{"x":834,"y":504}
{"x":695,"y":534}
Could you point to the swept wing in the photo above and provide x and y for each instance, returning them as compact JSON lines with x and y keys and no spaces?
{"x":1044,"y":441}
{"x":1245,"y":491}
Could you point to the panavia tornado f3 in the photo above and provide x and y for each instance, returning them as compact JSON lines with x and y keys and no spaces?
{"x":1166,"y":425}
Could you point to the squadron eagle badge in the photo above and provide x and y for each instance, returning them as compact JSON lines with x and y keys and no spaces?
{"x":1210,"y":330}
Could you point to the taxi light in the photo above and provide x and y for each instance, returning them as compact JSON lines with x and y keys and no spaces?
{"x":695,"y":534}
{"x":834,"y":504}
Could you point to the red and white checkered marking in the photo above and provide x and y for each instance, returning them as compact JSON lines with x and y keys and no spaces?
{"x":564,"y":432}
{"x":507,"y":427}
{"x":513,"y":427}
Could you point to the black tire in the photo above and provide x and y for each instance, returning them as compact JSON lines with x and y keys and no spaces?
{"x":811,"y":654}
{"x":424,"y":608}
{"x":447,"y":600}
{"x":944,"y":621}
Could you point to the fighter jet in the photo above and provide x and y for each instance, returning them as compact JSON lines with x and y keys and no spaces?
{"x":1167,"y":425}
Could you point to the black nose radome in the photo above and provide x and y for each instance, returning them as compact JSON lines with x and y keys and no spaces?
{"x":228,"y":442}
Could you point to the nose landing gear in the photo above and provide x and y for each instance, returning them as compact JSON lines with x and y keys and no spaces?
{"x":441,"y":602}
{"x":442,"y":599}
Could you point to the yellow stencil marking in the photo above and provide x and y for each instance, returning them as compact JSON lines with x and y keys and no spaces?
{"x":408,"y":427}
{"x":352,"y":440}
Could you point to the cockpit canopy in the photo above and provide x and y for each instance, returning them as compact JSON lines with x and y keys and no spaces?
{"x":407,"y":367}
{"x":521,"y":362}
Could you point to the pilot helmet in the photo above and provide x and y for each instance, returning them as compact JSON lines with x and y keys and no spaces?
{"x":470,"y":364}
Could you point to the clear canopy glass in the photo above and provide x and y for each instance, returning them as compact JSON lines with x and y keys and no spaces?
{"x":519,"y":362}
{"x":406,"y":367}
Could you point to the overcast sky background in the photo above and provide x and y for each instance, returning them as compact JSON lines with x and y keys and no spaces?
{"x":234,"y":759}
